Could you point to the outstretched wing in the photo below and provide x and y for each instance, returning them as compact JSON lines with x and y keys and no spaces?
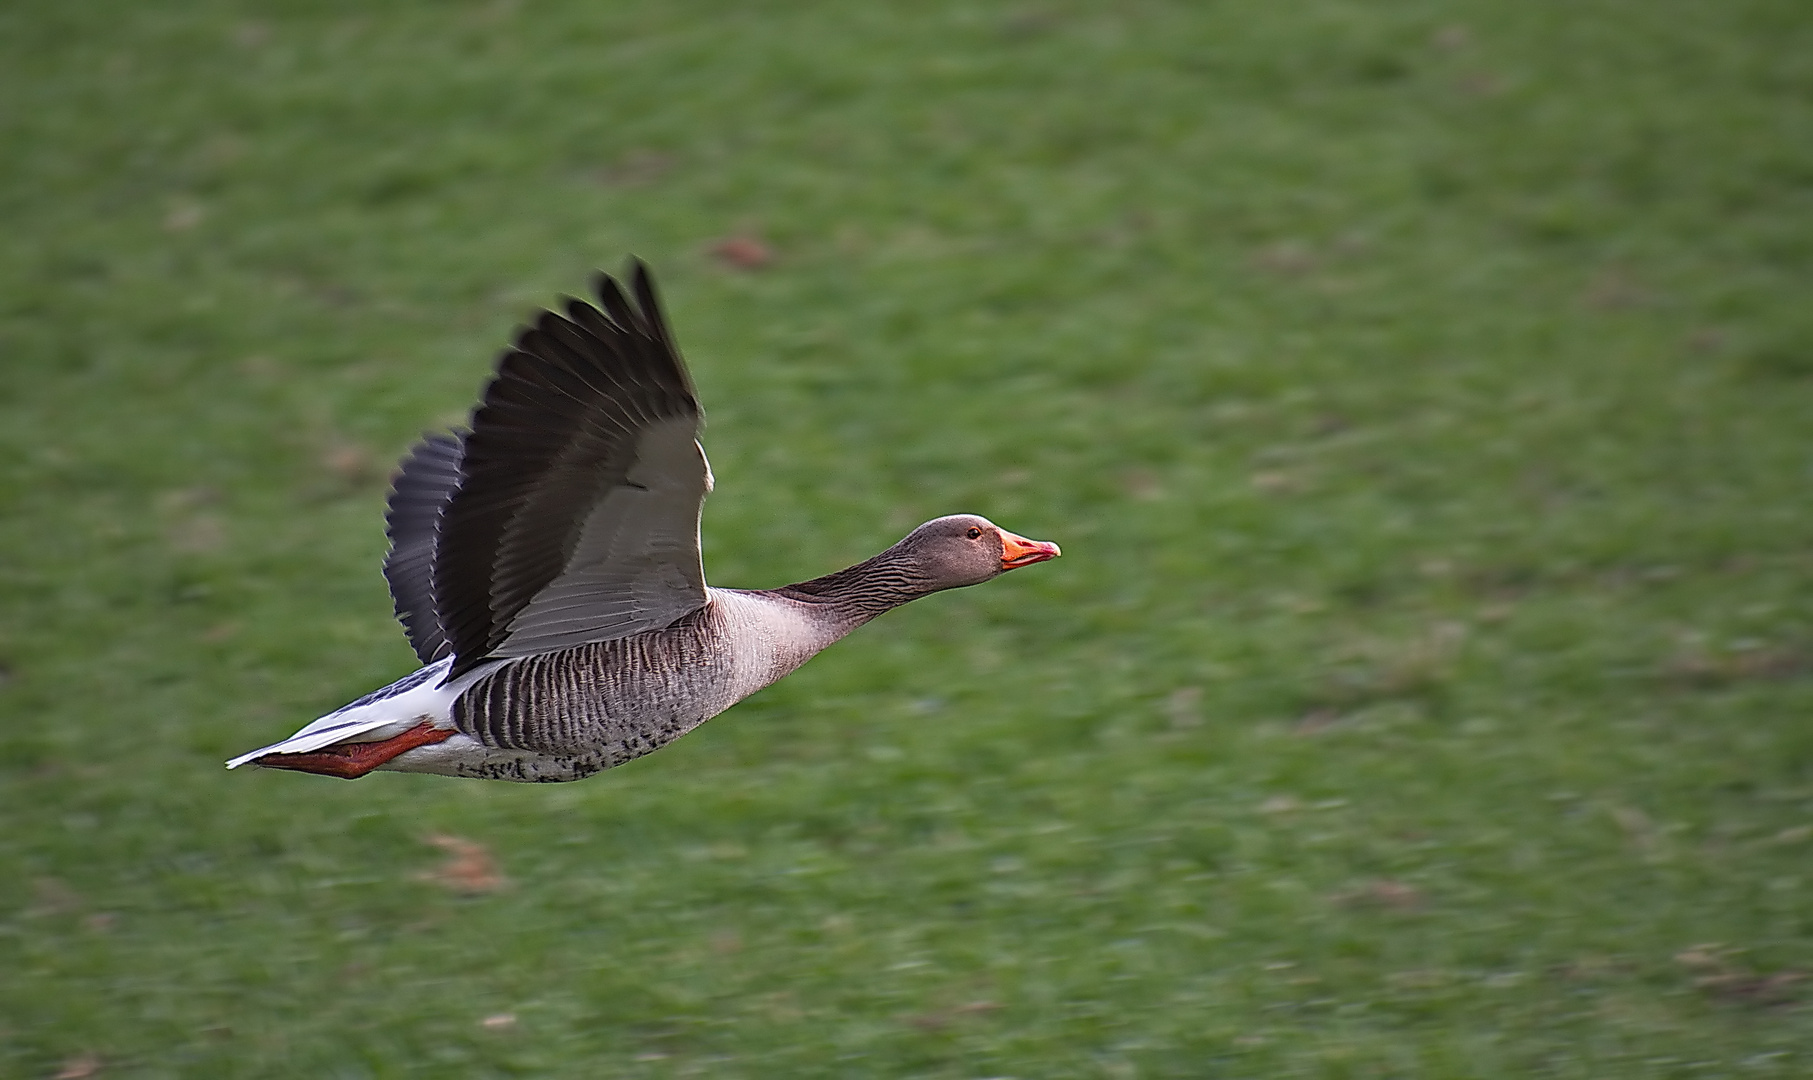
{"x":430,"y":475}
{"x":576,"y":515}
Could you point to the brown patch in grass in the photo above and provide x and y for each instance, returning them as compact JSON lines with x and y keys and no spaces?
{"x":1383,"y":893}
{"x":1717,"y":973}
{"x":1587,"y":968}
{"x":469,"y":870}
{"x":183,"y":217}
{"x":742,"y":253}
{"x":1615,"y":289}
{"x":1748,"y":988}
{"x":251,"y":35}
{"x":1699,"y":667}
{"x":220,"y":632}
{"x":1452,"y":38}
{"x":80,"y":1067}
{"x":938,"y":1019}
{"x":174,"y":502}
{"x":1184,"y":707}
{"x":1275,"y":482}
{"x":1707,"y":340}
{"x":1419,"y":979}
{"x":50,"y":896}
{"x":1382,"y":670}
{"x":192,"y":529}
{"x":636,"y":168}
{"x":1329,"y":423}
{"x":1496,"y":612}
{"x":1481,"y":84}
{"x":349,"y":463}
{"x":1143,"y":484}
{"x":1287,"y":258}
{"x":1639,"y":828}
{"x":1315,"y":722}
{"x":726,"y":943}
{"x":198,"y":535}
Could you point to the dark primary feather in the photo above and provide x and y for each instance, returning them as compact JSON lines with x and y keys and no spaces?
{"x":556,"y":431}
{"x":427,"y":481}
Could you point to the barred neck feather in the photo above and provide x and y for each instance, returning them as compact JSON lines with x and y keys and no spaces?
{"x":859,"y":593}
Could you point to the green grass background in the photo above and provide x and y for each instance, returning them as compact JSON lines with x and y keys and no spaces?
{"x":1421,"y":393}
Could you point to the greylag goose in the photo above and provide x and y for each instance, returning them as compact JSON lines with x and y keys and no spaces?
{"x":545,"y":567}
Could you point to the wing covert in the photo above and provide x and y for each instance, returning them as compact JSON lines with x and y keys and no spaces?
{"x":576,"y":517}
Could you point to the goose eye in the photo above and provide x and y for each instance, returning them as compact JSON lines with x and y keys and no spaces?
{"x":974,"y":532}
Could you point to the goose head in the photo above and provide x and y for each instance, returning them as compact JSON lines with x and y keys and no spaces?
{"x":967,"y":549}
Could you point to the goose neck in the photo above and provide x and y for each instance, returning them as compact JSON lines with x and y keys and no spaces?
{"x":856,"y":594}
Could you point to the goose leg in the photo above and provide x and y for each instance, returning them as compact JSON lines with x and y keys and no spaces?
{"x":349,"y":761}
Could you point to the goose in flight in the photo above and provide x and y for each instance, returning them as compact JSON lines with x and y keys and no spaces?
{"x":545,"y":566}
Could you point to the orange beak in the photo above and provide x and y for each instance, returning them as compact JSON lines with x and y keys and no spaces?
{"x":1017,"y":551}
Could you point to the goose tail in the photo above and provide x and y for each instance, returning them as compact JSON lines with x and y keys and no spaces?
{"x":415,"y":700}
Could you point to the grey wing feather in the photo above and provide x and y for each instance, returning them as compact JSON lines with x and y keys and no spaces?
{"x":429,"y":476}
{"x":576,"y":518}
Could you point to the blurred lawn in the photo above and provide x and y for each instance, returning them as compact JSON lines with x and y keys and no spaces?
{"x":1421,"y":393}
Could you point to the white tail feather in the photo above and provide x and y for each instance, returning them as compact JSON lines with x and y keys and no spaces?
{"x":393,"y":710}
